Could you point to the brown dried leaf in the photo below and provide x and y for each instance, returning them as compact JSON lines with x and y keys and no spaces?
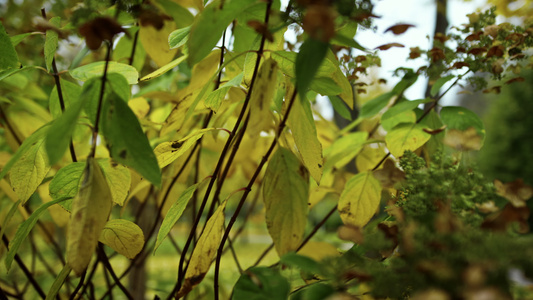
{"x":319,"y":22}
{"x":477,"y":51}
{"x":516,"y":79}
{"x":261,"y":28}
{"x":435,"y":131}
{"x":497,"y":51}
{"x":98,"y":30}
{"x":351,"y":233}
{"x":459,"y":65}
{"x":517,"y":192}
{"x":509,"y":215}
{"x":463,"y":140}
{"x":390,"y":45}
{"x":494,"y":89}
{"x":389,"y":174}
{"x":415,"y":52}
{"x":436,"y":54}
{"x":399,"y":29}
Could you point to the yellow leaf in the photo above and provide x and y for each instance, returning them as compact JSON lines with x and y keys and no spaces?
{"x":155,"y":42}
{"x":29,"y":171}
{"x":360,"y":199}
{"x":262,"y":96}
{"x":123,"y":236}
{"x":90,"y":211}
{"x":369,"y":157}
{"x":168,"y":152}
{"x":406,"y":137}
{"x":119,"y":177}
{"x":59,"y":214}
{"x":319,"y":250}
{"x":139,"y":106}
{"x":285,"y":193}
{"x":205,"y":250}
{"x":303,"y":128}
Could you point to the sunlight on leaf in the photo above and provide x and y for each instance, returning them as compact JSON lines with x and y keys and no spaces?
{"x":96,"y":69}
{"x":155,"y":42}
{"x":406,"y":137}
{"x":360,"y":199}
{"x":123,"y":236}
{"x":168,"y":152}
{"x":285,"y":194}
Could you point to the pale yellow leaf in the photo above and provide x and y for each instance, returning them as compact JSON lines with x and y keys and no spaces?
{"x":265,"y":88}
{"x":360,"y":199}
{"x":139,"y":106}
{"x":118,"y":177}
{"x":29,"y":171}
{"x":123,"y":236}
{"x":168,"y":152}
{"x":90,"y":211}
{"x":205,"y":250}
{"x":155,"y":42}
{"x":59,"y":214}
{"x":285,"y":193}
{"x":304,"y":131}
{"x":406,"y":137}
{"x":319,"y":250}
{"x":369,"y":157}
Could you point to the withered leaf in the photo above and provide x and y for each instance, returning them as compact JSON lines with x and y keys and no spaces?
{"x":516,"y":79}
{"x":389,"y":174}
{"x":399,"y":29}
{"x":390,"y":45}
{"x":463,"y":140}
{"x":494,"y":90}
{"x":497,"y":51}
{"x":517,"y":192}
{"x":98,"y":30}
{"x":261,"y":28}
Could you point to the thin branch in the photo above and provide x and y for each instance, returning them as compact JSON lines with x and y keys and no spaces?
{"x":25,"y":270}
{"x":105,"y":261}
{"x":248,"y":190}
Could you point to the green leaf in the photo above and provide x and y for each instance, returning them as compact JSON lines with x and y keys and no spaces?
{"x":58,"y":282}
{"x":407,"y":116}
{"x":71,"y":94}
{"x":285,"y":194}
{"x":342,"y":40}
{"x":122,"y":50}
{"x":312,"y":53}
{"x":126,"y":140}
{"x":406,"y":137}
{"x":301,"y":262}
{"x":6,"y":73}
{"x":90,"y":94}
{"x":374,"y":106}
{"x":96,"y":69}
{"x":9,"y":58}
{"x":460,"y":118}
{"x":8,"y":216}
{"x":344,"y":149}
{"x":174,"y":213}
{"x":209,"y":25}
{"x":60,"y":132}
{"x":171,"y":65}
{"x":16,"y":39}
{"x":360,"y":199}
{"x":303,"y":128}
{"x":340,"y":107}
{"x":261,"y":283}
{"x":24,"y":229}
{"x":439,"y":83}
{"x":29,"y":170}
{"x":182,"y":16}
{"x":179,"y":37}
{"x":325,"y":86}
{"x":123,"y":236}
{"x":51,"y":42}
{"x":66,"y":182}
{"x":286,"y":62}
{"x":402,"y":106}
{"x":316,"y":291}
{"x":215,"y":98}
